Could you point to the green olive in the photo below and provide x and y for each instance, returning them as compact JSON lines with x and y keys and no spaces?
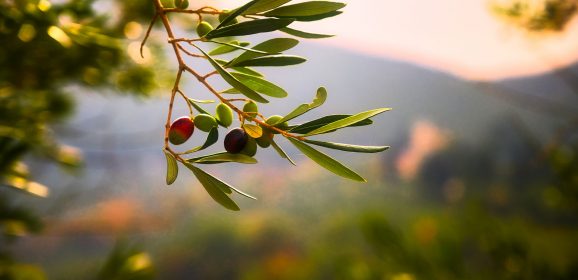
{"x":205,"y":122}
{"x":224,"y":15}
{"x":251,"y":108}
{"x":203,"y":28}
{"x":272,"y":120}
{"x":250,"y":148}
{"x":224,"y":115}
{"x":265,"y":140}
{"x":181,"y":4}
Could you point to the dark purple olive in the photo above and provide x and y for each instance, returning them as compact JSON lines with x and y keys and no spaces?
{"x":236,"y":140}
{"x":181,"y":130}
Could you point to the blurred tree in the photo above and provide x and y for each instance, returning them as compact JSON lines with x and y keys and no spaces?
{"x":544,"y":15}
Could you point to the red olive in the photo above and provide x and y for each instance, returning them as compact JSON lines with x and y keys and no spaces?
{"x":236,"y":140}
{"x":181,"y":130}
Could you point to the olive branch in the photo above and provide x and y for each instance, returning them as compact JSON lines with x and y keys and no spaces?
{"x":256,"y":130}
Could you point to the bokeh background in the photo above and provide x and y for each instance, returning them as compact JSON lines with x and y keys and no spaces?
{"x":480,"y":182}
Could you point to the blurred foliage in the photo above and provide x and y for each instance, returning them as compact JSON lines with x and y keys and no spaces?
{"x":126,"y":262}
{"x":543,"y":15}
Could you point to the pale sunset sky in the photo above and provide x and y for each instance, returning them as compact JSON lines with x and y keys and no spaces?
{"x":461,"y":37}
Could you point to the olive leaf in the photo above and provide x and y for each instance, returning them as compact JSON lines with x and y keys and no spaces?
{"x":276,"y":45}
{"x":223,"y":157}
{"x":197,"y":107}
{"x":236,"y":13}
{"x":348,"y":147}
{"x":273,"y":60}
{"x":215,"y":187}
{"x":233,"y":81}
{"x":260,"y":85}
{"x":263,"y":6}
{"x":317,"y":123}
{"x":227,"y":47}
{"x":326,"y":161}
{"x":316,"y":17}
{"x":320,"y":98}
{"x":311,"y":8}
{"x":250,"y":27}
{"x":212,"y":138}
{"x":248,"y":71}
{"x":303,"y":34}
{"x":347,"y":121}
{"x":254,"y":131}
{"x":281,"y":152}
{"x":172,"y":168}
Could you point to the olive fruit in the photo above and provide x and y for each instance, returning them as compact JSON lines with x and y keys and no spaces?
{"x":205,"y":122}
{"x":224,"y":115}
{"x":251,"y":108}
{"x":272,"y":120}
{"x":203,"y":28}
{"x":181,"y":4}
{"x":224,"y":15}
{"x":236,"y":140}
{"x":181,"y":130}
{"x":250,"y":148}
{"x":265,"y":140}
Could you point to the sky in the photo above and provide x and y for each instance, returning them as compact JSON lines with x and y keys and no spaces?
{"x":461,"y":37}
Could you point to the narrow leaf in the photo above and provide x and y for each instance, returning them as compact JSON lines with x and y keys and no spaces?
{"x":234,"y":47}
{"x":215,"y":188}
{"x":310,"y":8}
{"x":172,"y":168}
{"x":250,"y":27}
{"x":260,"y":85}
{"x":201,"y":101}
{"x":303,"y":34}
{"x":197,"y":107}
{"x":326,"y":161}
{"x":315,"y":17}
{"x":236,"y":13}
{"x":248,"y":71}
{"x":233,"y":81}
{"x":281,"y":153}
{"x":264,"y":5}
{"x":348,"y":147}
{"x":276,"y":45}
{"x":304,"y":108}
{"x":254,"y":131}
{"x":223,"y":157}
{"x":314,"y":124}
{"x":274,"y":60}
{"x":212,"y":138}
{"x":224,"y":186}
{"x":348,"y":121}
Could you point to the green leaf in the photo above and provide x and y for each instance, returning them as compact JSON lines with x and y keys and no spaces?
{"x":264,"y":5}
{"x":303,"y":34}
{"x":172,"y":168}
{"x":233,"y":47}
{"x":212,"y":138}
{"x":250,"y":27}
{"x":316,"y":17}
{"x":248,"y":71}
{"x":197,"y":107}
{"x":281,"y":153}
{"x":348,"y":147}
{"x":304,"y":108}
{"x":326,"y":161}
{"x":201,"y":101}
{"x":276,"y":45}
{"x":347,"y":121}
{"x":254,"y":131}
{"x":215,"y":187}
{"x":260,"y":85}
{"x":245,"y":90}
{"x":226,"y":188}
{"x":236,"y":13}
{"x":273,"y":60}
{"x":314,"y":124}
{"x":223,"y":157}
{"x":310,"y":8}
